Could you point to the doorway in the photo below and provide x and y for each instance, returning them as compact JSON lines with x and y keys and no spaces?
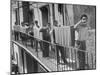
{"x":45,"y":18}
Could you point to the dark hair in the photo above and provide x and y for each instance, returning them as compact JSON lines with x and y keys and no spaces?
{"x":84,"y":15}
{"x":36,"y":21}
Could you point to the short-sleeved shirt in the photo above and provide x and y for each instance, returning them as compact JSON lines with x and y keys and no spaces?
{"x":46,"y":34}
{"x":81,"y":33}
{"x":37,"y":33}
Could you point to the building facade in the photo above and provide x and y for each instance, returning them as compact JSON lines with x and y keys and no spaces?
{"x":65,"y":14}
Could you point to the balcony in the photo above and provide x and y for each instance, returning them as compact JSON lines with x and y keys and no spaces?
{"x":55,"y":61}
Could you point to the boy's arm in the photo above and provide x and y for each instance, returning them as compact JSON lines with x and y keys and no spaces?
{"x":75,"y":26}
{"x":51,"y":31}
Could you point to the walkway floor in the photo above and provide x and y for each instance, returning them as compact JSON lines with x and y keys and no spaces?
{"x":49,"y":62}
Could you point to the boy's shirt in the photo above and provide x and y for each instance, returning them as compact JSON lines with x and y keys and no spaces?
{"x":37,"y":33}
{"x":81,"y":33}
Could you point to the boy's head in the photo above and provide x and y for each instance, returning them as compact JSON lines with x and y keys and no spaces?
{"x":36,"y":22}
{"x":84,"y":18}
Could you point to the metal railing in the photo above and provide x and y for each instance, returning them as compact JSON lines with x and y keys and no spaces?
{"x":64,"y":58}
{"x":41,"y":66}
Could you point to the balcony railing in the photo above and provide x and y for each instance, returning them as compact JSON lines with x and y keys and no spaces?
{"x":41,"y":66}
{"x":60,"y":58}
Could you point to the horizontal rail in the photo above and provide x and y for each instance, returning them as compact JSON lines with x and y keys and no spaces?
{"x":74,"y":48}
